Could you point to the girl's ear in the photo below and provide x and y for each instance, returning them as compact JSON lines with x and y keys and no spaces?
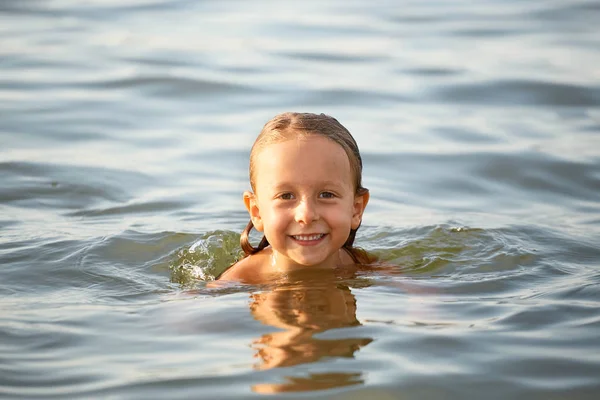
{"x":360,"y":203}
{"x":252,"y":207}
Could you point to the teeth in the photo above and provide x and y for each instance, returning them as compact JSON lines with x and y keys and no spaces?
{"x":308,"y":237}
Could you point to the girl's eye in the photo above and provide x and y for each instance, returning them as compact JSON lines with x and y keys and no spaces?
{"x":286,"y":196}
{"x":326,"y":195}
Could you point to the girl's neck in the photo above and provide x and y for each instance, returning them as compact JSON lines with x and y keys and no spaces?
{"x":280,"y":264}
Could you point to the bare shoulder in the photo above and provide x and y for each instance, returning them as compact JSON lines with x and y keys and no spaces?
{"x":247,"y":270}
{"x":234,"y":272}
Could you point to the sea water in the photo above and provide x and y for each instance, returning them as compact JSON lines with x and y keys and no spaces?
{"x":125,"y":129}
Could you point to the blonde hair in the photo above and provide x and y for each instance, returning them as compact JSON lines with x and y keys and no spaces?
{"x":288,"y":125}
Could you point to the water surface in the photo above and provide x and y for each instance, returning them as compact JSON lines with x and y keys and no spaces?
{"x":125,"y":128}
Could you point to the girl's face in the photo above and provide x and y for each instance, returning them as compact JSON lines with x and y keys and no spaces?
{"x":305,"y":202}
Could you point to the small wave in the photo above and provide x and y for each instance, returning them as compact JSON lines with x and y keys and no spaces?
{"x":36,"y":185}
{"x":173,"y":86}
{"x":206,"y":258}
{"x":137,"y":208}
{"x":521,"y":92}
{"x":459,"y":253}
{"x":333,"y":58}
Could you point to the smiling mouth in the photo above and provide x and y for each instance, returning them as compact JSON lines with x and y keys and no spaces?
{"x":309,"y":238}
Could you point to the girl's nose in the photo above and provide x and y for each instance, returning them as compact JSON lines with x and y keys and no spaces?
{"x":306,"y":212}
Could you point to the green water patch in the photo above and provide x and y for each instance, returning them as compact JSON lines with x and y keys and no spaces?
{"x":206,"y":258}
{"x":456,"y":252}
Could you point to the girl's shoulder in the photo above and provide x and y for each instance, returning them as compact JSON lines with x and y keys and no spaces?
{"x":248,"y":270}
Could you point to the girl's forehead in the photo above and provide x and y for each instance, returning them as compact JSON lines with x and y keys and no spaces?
{"x":308,"y":161}
{"x":301,"y":143}
{"x":312,"y":149}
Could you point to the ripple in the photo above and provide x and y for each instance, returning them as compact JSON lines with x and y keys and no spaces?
{"x":173,"y":86}
{"x":332,"y":58}
{"x":432,"y":71}
{"x":138,"y":208}
{"x":347,"y":97}
{"x":510,"y":181}
{"x":60,"y":186}
{"x":520,"y":92}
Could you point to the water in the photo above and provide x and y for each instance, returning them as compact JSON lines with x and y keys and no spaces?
{"x":125,"y":128}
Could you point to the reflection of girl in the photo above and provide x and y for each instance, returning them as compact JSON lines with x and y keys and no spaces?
{"x":315,"y":308}
{"x":307,"y":198}
{"x":321,"y":381}
{"x":303,"y":311}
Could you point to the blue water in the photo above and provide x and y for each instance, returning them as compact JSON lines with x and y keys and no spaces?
{"x":125,"y":130}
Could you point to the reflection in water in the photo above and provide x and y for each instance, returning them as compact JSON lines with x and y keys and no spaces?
{"x":311,"y":382}
{"x":303,"y":311}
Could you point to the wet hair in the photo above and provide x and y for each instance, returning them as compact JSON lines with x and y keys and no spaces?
{"x":290,"y":125}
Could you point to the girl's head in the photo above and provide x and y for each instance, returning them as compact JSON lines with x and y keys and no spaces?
{"x":307,"y":195}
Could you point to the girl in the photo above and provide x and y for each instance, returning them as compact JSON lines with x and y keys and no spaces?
{"x":307,"y":199}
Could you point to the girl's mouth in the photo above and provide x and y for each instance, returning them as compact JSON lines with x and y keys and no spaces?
{"x":308,"y":240}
